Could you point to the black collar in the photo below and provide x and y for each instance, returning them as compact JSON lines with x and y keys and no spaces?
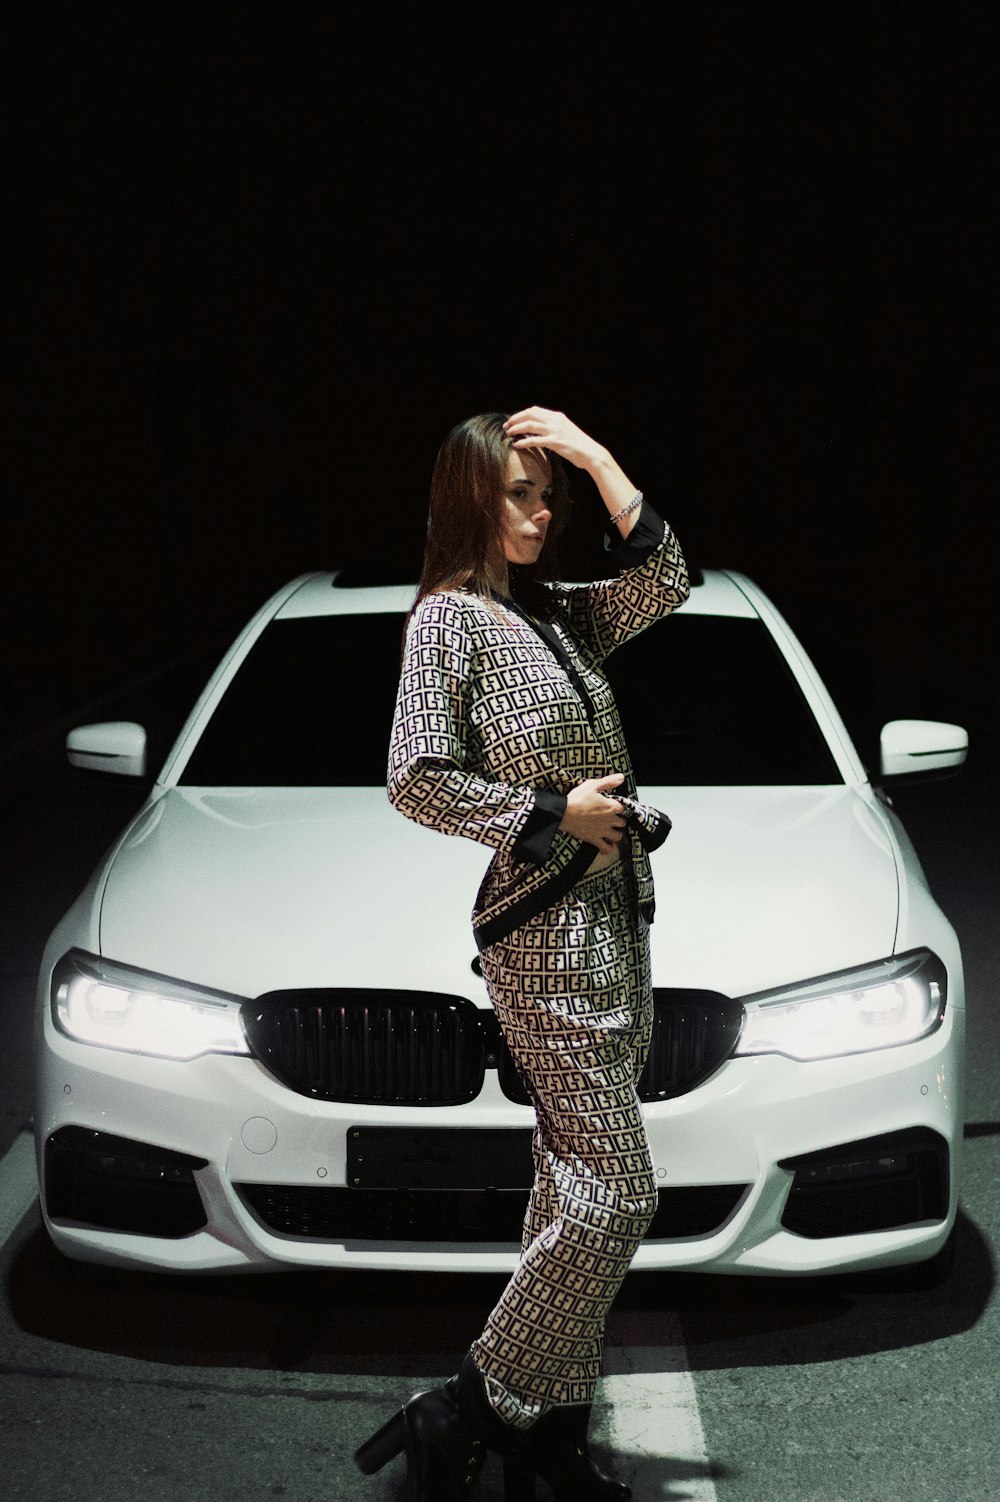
{"x":557,"y":647}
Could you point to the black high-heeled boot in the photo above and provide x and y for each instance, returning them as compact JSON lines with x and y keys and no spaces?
{"x":557,"y":1450}
{"x":554,"y":1447}
{"x":443,"y":1455}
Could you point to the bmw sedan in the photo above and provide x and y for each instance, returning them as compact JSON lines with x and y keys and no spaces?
{"x":263,"y":1038}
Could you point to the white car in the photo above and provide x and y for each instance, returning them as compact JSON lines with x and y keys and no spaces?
{"x":263,"y":1037}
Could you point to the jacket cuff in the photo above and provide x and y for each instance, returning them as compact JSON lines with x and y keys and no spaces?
{"x":651,"y":824}
{"x":535,"y":840}
{"x":645,"y":537}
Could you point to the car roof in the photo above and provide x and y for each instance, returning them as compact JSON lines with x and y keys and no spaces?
{"x":716,"y":593}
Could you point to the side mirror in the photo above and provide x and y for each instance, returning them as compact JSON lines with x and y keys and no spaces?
{"x":916,"y":748}
{"x":115,"y":746}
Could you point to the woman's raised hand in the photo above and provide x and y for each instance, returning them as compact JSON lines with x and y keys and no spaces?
{"x":593,"y":817}
{"x":538,"y":427}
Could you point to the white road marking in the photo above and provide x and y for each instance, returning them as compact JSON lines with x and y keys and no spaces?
{"x":18,"y":1184}
{"x":654,"y":1429}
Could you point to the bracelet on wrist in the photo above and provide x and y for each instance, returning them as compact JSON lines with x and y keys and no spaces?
{"x":635,"y":501}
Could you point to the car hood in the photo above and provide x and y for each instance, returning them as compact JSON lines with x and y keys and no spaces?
{"x":249,"y":890}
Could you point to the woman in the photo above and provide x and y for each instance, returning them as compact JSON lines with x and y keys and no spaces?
{"x":506,"y":732}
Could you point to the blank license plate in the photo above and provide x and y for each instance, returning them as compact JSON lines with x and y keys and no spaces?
{"x":385,"y":1157}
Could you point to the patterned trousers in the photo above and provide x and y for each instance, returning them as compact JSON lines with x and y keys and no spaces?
{"x":573,"y":993}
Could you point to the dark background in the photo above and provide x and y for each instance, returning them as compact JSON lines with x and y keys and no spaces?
{"x":268,"y":254}
{"x":261,"y":258}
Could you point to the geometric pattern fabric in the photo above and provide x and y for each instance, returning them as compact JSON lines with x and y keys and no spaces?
{"x":573,"y":993}
{"x":486,"y":714}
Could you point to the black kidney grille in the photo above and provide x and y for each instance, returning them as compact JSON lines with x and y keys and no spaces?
{"x":379,"y":1047}
{"x":694,"y":1032}
{"x":420,"y":1048}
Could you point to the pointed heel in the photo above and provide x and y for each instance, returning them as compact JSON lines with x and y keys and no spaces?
{"x":384,"y":1444}
{"x":518,"y":1478}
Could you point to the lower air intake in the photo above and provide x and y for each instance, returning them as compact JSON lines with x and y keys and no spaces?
{"x":874,"y":1184}
{"x":121,"y":1185}
{"x":455,"y":1215}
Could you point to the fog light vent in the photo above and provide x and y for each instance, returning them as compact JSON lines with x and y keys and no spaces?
{"x":121,"y":1185}
{"x":854,"y":1168}
{"x":875,"y":1184}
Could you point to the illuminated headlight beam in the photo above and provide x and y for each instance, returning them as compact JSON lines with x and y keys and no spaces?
{"x":111,"y":1006}
{"x":875,"y":1006}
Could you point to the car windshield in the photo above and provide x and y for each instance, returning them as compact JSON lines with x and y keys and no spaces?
{"x":705,"y":701}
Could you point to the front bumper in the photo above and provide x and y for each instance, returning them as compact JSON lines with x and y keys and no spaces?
{"x":255,"y":1143}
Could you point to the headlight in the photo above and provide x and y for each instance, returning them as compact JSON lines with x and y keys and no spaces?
{"x":877,"y":1006}
{"x":115,"y":1007}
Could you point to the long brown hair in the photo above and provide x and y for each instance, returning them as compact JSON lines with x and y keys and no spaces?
{"x":465,"y":543}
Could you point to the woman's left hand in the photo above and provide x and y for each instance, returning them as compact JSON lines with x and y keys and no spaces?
{"x":538,"y":427}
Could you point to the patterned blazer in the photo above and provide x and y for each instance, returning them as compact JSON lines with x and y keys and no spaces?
{"x":497,"y":718}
